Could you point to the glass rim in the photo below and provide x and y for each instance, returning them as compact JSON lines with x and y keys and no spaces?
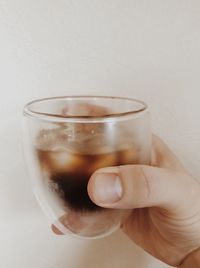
{"x":65,"y":118}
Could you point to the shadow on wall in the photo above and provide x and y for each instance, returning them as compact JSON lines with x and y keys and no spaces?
{"x":115,"y":251}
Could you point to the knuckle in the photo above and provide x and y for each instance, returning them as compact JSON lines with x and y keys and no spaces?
{"x":138,"y":185}
{"x":145,"y":182}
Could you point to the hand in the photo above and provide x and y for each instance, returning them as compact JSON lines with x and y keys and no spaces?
{"x":165,"y":203}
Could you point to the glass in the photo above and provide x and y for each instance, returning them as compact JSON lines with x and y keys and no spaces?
{"x":66,"y":139}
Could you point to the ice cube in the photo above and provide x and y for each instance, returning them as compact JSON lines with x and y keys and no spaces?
{"x":60,"y":161}
{"x":128,"y":156}
{"x":104,"y":160}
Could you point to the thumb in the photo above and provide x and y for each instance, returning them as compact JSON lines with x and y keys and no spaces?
{"x":137,"y":186}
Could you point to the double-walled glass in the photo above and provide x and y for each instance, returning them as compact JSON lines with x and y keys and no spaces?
{"x":66,"y":139}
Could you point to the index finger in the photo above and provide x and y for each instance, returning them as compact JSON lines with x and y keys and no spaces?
{"x":162,"y":156}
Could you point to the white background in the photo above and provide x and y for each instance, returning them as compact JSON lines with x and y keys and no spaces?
{"x":143,"y":49}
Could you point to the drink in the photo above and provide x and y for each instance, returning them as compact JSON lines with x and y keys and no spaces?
{"x":66,"y":140}
{"x":66,"y":166}
{"x":69,"y":173}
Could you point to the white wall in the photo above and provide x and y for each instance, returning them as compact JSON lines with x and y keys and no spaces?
{"x":143,"y":49}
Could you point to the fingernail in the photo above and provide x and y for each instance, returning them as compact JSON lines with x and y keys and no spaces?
{"x":107,"y":188}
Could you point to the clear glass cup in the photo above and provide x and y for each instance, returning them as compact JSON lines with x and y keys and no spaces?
{"x":66,"y":139}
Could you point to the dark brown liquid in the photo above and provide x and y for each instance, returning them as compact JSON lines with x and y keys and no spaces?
{"x":69,"y":173}
{"x":72,"y":187}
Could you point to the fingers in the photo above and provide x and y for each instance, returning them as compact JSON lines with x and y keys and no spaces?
{"x":162,"y":156}
{"x":70,"y":221}
{"x":84,"y":109}
{"x":138,"y":186}
{"x":56,"y":230}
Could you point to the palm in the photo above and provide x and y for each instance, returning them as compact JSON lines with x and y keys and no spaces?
{"x":158,"y":231}
{"x":157,"y":234}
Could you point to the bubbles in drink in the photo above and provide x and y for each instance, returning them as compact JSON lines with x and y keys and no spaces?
{"x":68,"y":154}
{"x":70,"y":163}
{"x":74,"y":138}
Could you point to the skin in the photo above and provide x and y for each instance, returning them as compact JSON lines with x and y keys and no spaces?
{"x":165,"y":220}
{"x":164,"y":200}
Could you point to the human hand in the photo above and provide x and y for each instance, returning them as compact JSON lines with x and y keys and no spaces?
{"x":165,"y":203}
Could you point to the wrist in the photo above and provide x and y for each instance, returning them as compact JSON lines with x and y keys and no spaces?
{"x":192,"y":260}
